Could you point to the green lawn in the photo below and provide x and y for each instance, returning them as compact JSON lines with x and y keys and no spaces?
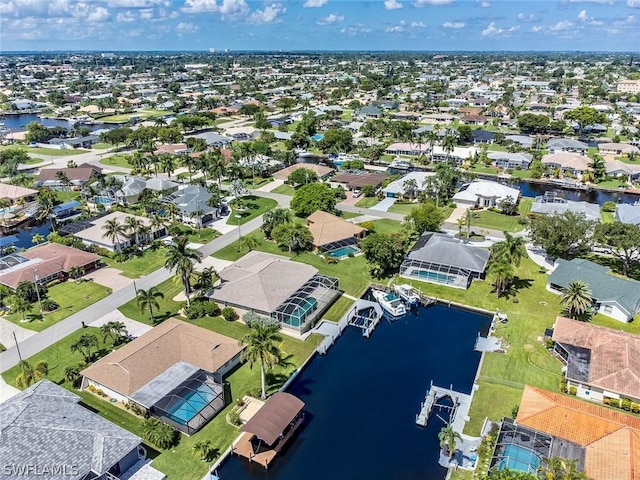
{"x":607,"y":217}
{"x":496,"y":221}
{"x":71,"y":298}
{"x":353,"y":273}
{"x":524,"y":206}
{"x":118,"y":160}
{"x":338,"y":309}
{"x":203,"y":235}
{"x":613,"y":183}
{"x":102,"y":146}
{"x":55,"y":152}
{"x":254,"y":206}
{"x":284,"y":190}
{"x":150,"y":260}
{"x":168,"y":307}
{"x":367,"y":202}
{"x":386,"y":225}
{"x":402,"y":208}
{"x":348,"y":215}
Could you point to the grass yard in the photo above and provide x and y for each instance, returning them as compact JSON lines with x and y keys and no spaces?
{"x":168,"y":307}
{"x":348,"y":215}
{"x":55,"y":152}
{"x":338,"y":309}
{"x":386,"y":225}
{"x":254,"y":206}
{"x":102,"y":146}
{"x":284,"y":190}
{"x":71,"y":298}
{"x":496,"y":221}
{"x":118,"y":160}
{"x":203,"y":235}
{"x":402,"y":208}
{"x":353,"y":273}
{"x":146,"y":262}
{"x":367,"y":202}
{"x":613,"y":183}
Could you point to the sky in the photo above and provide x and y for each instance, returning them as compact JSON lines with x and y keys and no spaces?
{"x":289,"y":25}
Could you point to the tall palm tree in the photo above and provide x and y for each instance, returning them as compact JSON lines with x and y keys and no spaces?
{"x":468,"y":220}
{"x":132,"y":226}
{"x":216,"y":165}
{"x":448,"y":144}
{"x":157,"y":223}
{"x":38,"y":238}
{"x":76,"y":272}
{"x":31,"y":373}
{"x":46,"y":206}
{"x":262,"y":347}
{"x":172,"y":211}
{"x":206,"y":278}
{"x":558,"y":468}
{"x":149,"y":299}
{"x":20,"y":305}
{"x":576,"y":300}
{"x":512,"y":248}
{"x":181,"y":259}
{"x":449,"y":438}
{"x":114,"y":330}
{"x":502,"y":272}
{"x":272,"y":218}
{"x":249,"y":242}
{"x":113,"y":230}
{"x":167,"y":163}
{"x":84,"y":345}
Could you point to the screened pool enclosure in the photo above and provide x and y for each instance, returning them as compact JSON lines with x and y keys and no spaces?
{"x":300,"y":310}
{"x":520,"y":448}
{"x":436,"y":273}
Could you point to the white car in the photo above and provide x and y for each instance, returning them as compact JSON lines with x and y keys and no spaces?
{"x":356,"y":193}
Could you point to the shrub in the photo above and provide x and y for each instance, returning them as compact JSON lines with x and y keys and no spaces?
{"x":573,"y":391}
{"x":136,"y":408}
{"x":625,"y":404}
{"x":202,"y":309}
{"x":635,"y":408}
{"x":160,"y":434}
{"x":234,"y":418}
{"x":609,"y":207}
{"x":229,"y":314}
{"x":368,"y":225}
{"x":255,"y":392}
{"x":120,"y":257}
{"x":613,"y":402}
{"x":49,"y":305}
{"x":91,"y":388}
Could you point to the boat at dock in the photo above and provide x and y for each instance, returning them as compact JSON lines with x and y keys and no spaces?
{"x":408,"y":294}
{"x":390,"y":302}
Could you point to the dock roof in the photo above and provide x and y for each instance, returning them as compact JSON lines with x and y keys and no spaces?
{"x":274,"y":417}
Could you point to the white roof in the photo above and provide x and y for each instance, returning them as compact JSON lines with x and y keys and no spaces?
{"x":397,"y":186}
{"x":486,"y":189}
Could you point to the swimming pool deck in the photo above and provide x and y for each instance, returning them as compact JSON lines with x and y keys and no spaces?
{"x":460,"y":409}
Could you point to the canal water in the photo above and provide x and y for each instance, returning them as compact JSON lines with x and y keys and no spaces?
{"x":18,"y":123}
{"x":363,"y":396}
{"x":598,"y":196}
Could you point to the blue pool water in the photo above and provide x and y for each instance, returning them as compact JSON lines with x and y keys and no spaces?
{"x":434,"y":276}
{"x":343,"y":252}
{"x":519,"y":458}
{"x":318,"y":136}
{"x":190,"y":405}
{"x":362,"y":398}
{"x":102,"y":200}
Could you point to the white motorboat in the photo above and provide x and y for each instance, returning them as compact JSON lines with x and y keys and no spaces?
{"x":390,"y":302}
{"x":408,"y":294}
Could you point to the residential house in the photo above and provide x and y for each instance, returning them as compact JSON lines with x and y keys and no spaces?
{"x":370,"y":111}
{"x":458,"y":155}
{"x":76,"y":142}
{"x":485,"y":194}
{"x":550,"y":204}
{"x":628,"y":213}
{"x":44,"y":263}
{"x":331,"y":232}
{"x":398,"y":188}
{"x":321,"y":171}
{"x":48,"y":433}
{"x":78,"y":176}
{"x":439,"y":258}
{"x":570,"y":164}
{"x":524,"y":141}
{"x":14,"y":194}
{"x":479,"y":136}
{"x":295,"y":301}
{"x":213,"y":139}
{"x":558,"y":145}
{"x":174,"y":367}
{"x":243,"y":133}
{"x":355,"y":181}
{"x":404,"y":148}
{"x":615,"y":297}
{"x":600,"y":362}
{"x":510,"y":160}
{"x":616,"y":168}
{"x":193,"y":203}
{"x":473,"y":119}
{"x":618,"y":149}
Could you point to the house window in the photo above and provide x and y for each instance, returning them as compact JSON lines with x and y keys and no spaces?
{"x":608,"y":309}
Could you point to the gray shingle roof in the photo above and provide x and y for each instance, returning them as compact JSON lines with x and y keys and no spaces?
{"x":628,"y":213}
{"x":445,"y":250}
{"x":44,"y":426}
{"x":604,"y":287}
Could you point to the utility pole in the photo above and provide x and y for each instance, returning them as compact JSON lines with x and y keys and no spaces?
{"x":18,"y":349}
{"x":35,"y":282}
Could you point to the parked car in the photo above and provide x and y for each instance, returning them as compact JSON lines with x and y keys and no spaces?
{"x":356,"y":193}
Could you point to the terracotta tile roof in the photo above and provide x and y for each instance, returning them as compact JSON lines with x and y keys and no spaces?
{"x":327,"y":228}
{"x":611,"y":438}
{"x":82,"y":173}
{"x":319,"y":170}
{"x":48,"y":259}
{"x":135,"y":364}
{"x":615,"y":355}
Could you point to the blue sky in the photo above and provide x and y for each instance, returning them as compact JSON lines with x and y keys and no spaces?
{"x":609,"y":25}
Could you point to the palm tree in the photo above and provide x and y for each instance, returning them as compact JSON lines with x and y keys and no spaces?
{"x":46,"y":206}
{"x":113,"y":230}
{"x":181,"y":259}
{"x":31,"y":373}
{"x":167,"y":164}
{"x":76,"y":272}
{"x":272,"y":218}
{"x":84,"y":345}
{"x":64,"y":180}
{"x":157,"y":223}
{"x":249,"y":242}
{"x":599,"y":168}
{"x":468,"y":219}
{"x":558,"y":468}
{"x":512,"y":248}
{"x":449,"y":438}
{"x":20,"y":305}
{"x":262,"y":347}
{"x":114,"y":330}
{"x":132,"y":226}
{"x":217,"y":166}
{"x":410,"y":186}
{"x":205,"y":449}
{"x":501,"y":270}
{"x":38,"y":238}
{"x":206,"y":278}
{"x":172,"y":211}
{"x":448,"y":144}
{"x":148,"y":299}
{"x":72,"y":375}
{"x":576,"y":299}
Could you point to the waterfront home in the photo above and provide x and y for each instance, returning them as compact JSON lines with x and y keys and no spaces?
{"x":243,"y":133}
{"x":399,"y":188}
{"x":600,"y":362}
{"x":439,"y":258}
{"x":76,"y":142}
{"x":44,"y":263}
{"x":557,"y":145}
{"x":54,"y":178}
{"x":298,"y":297}
{"x":628,"y":213}
{"x":48,"y":433}
{"x":479,"y":136}
{"x":175,"y":371}
{"x":213,"y":139}
{"x":618,"y":149}
{"x":615,"y":297}
{"x":457,"y":155}
{"x":404,"y":148}
{"x":14,"y":194}
{"x":510,"y":160}
{"x":601,"y":440}
{"x":355,"y":181}
{"x":552,"y":205}
{"x":321,"y":171}
{"x":370,"y":111}
{"x":524,"y":141}
{"x":569,"y":164}
{"x":616,"y":168}
{"x":331,"y":232}
{"x":193,"y":204}
{"x":485,"y":194}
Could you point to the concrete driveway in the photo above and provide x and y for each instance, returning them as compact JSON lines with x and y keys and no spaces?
{"x":109,"y":277}
{"x":384,"y":204}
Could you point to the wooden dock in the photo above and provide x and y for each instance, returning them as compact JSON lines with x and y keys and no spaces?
{"x":459,"y":410}
{"x":367,"y":323}
{"x":424,"y":300}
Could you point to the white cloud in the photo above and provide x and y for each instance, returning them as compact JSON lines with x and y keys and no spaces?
{"x":355,"y":29}
{"x":492,"y":30}
{"x":137,"y":3}
{"x":537,"y":28}
{"x":610,"y":2}
{"x":455,"y":25}
{"x":633,"y":3}
{"x":524,"y":17}
{"x":422,"y":3}
{"x":485,"y":4}
{"x":395,"y":29}
{"x":418,"y":25}
{"x":314,"y":3}
{"x":200,"y":6}
{"x":125,"y":17}
{"x":562,"y":25}
{"x":582,"y":16}
{"x":392,"y":4}
{"x":186,"y":28}
{"x":99,"y":14}
{"x":233,"y":8}
{"x":331,"y":19}
{"x":270,"y":14}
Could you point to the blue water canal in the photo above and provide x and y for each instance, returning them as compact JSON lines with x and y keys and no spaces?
{"x":363,"y":396}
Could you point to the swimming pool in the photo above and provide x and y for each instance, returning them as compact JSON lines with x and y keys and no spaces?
{"x":519,"y":458}
{"x":103,"y":200}
{"x":343,"y":252}
{"x":189,"y":406}
{"x":318,"y":136}
{"x":434,"y":276}
{"x":361,"y":409}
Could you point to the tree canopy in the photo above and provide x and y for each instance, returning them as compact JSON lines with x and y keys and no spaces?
{"x":312,"y":197}
{"x":624,"y":241}
{"x":585,"y":116}
{"x":302,"y":176}
{"x":562,"y":235}
{"x":426,"y":217}
{"x":383,"y":252}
